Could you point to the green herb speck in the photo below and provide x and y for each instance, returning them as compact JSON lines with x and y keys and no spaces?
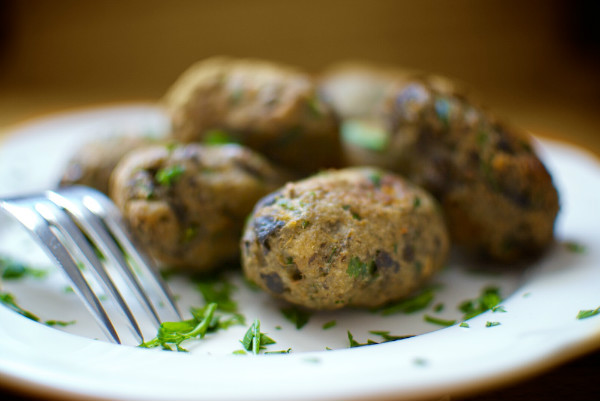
{"x":358,"y":269}
{"x":217,"y":137}
{"x":297,"y":316}
{"x":329,"y":324}
{"x":492,"y":324}
{"x":167,"y":176}
{"x":438,"y":321}
{"x":464,"y":324}
{"x":584,"y":314}
{"x":575,"y":247}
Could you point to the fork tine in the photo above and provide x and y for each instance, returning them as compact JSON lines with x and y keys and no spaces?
{"x":104,"y":207}
{"x":94,"y":227}
{"x":23,"y":211}
{"x":72,"y":233}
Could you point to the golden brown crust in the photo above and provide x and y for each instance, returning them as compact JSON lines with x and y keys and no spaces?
{"x":271,"y":108}
{"x":354,"y":237}
{"x":187,"y":203}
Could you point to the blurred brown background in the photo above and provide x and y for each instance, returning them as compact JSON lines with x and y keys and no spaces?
{"x":535,"y":62}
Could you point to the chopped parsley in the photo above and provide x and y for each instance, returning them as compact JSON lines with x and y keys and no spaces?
{"x":464,"y":324}
{"x":492,"y":324}
{"x":167,"y":176}
{"x":217,"y":290}
{"x":437,"y":308}
{"x":217,"y":137}
{"x":420,"y":362}
{"x":60,"y":323}
{"x":203,"y":321}
{"x":498,"y":308}
{"x":354,"y":343}
{"x":387,"y":337}
{"x":413,"y":304}
{"x":284,"y":351}
{"x":358,"y":269}
{"x":254,"y":340}
{"x":575,"y":247}
{"x":14,"y":270}
{"x":584,"y":314}
{"x":329,"y":324}
{"x":489,"y":298}
{"x":297,"y":316}
{"x":9,"y":300}
{"x":416,"y":202}
{"x":438,"y":321}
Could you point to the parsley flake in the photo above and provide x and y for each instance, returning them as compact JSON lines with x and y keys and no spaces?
{"x":358,"y":269}
{"x":575,"y":247}
{"x":254,"y":340}
{"x":489,"y":298}
{"x":297,"y":316}
{"x":167,"y":176}
{"x":13,"y":270}
{"x":330,"y":324}
{"x":413,"y":304}
{"x":438,"y":321}
{"x":584,"y":314}
{"x":174,"y":333}
{"x":492,"y":324}
{"x":9,"y":300}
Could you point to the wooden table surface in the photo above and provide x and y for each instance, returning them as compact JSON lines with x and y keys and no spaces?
{"x":574,"y":380}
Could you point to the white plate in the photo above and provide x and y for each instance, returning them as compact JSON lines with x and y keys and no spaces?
{"x":538,"y":330}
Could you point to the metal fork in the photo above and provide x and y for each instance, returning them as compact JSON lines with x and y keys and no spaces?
{"x":80,"y":226}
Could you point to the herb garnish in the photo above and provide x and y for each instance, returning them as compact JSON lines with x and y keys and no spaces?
{"x":13,"y":270}
{"x":438,"y":321}
{"x":297,"y":316}
{"x":60,"y":323}
{"x":217,"y":290}
{"x":387,"y":337}
{"x":9,"y":300}
{"x":464,"y":324}
{"x":174,"y":333}
{"x":413,"y":304}
{"x":330,"y":324}
{"x":358,"y":269}
{"x":217,"y":137}
{"x":584,"y":314}
{"x":489,"y":298}
{"x":492,"y":324}
{"x":575,"y":247}
{"x":254,"y":340}
{"x":167,"y":176}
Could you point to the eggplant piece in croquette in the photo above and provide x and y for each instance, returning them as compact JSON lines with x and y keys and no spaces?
{"x":271,"y":108}
{"x":355,"y":237}
{"x":187,"y":203}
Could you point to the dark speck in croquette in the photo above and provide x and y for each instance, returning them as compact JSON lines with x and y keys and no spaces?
{"x":273,"y":282}
{"x":265,"y":227}
{"x":384,"y":260}
{"x":408,"y":253}
{"x":268,"y":200}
